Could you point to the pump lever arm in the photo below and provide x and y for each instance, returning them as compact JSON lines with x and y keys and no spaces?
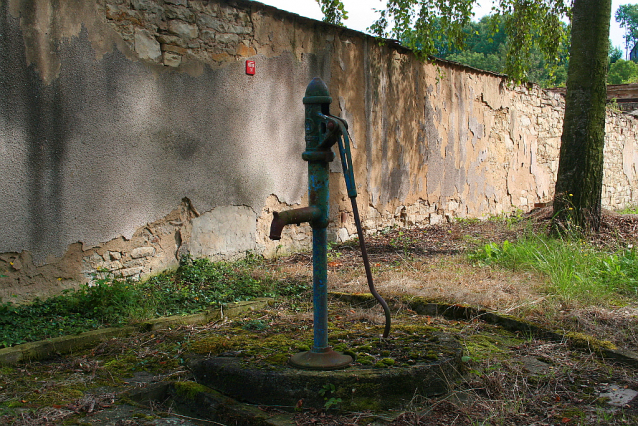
{"x":331,"y":129}
{"x":348,"y":174}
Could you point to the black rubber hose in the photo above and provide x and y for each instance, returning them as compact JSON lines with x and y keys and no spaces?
{"x":366,"y":264}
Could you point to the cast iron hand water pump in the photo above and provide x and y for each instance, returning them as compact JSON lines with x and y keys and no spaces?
{"x":322,"y":132}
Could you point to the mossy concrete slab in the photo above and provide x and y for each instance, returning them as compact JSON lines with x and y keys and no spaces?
{"x":228,"y":311}
{"x":356,"y":388}
{"x":424,"y":306}
{"x":60,"y":345}
{"x":197,"y":401}
{"x":66,"y":344}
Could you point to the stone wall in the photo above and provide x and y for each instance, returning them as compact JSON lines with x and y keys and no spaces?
{"x":131,"y":136}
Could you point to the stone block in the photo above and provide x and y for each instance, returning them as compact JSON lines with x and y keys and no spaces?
{"x":237,"y":29}
{"x":112,"y":266}
{"x":130,"y":272}
{"x":180,"y":13}
{"x":183,"y":29}
{"x":220,"y":57}
{"x":228,"y":38}
{"x":120,"y":13}
{"x":207,"y":35}
{"x":206,"y":21}
{"x":150,"y":5}
{"x":133,"y":263}
{"x":172,"y":59}
{"x":172,"y":48}
{"x":435,"y":218}
{"x":343,"y":235}
{"x":171,"y":39}
{"x":142,"y":252}
{"x":112,"y":255}
{"x":95,"y":261}
{"x":243,"y":50}
{"x":146,"y":46}
{"x":224,"y":233}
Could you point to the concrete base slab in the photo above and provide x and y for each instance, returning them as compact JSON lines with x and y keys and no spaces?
{"x":355,"y":388}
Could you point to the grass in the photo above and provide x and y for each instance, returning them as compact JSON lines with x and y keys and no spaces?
{"x":196,"y":285}
{"x":628,"y":210}
{"x":577,"y":270}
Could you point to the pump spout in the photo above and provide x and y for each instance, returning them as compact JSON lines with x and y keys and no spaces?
{"x":295,"y":216}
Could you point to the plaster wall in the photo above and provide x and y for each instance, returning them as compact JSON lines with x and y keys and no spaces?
{"x":130,"y":135}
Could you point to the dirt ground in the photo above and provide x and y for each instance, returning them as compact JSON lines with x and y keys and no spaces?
{"x":431,"y":262}
{"x":509,"y":378}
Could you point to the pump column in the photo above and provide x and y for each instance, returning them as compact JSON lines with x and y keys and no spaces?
{"x":318,"y":155}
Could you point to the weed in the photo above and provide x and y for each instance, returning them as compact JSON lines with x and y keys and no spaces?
{"x":326,"y":392}
{"x":489,"y":253}
{"x":194,"y":286}
{"x":577,"y":270}
{"x":405,"y":243}
{"x":628,"y":210}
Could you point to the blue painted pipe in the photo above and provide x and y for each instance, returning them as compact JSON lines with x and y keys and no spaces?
{"x":321,"y":134}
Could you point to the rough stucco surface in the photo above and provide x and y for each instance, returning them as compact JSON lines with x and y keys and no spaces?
{"x":130,"y":135}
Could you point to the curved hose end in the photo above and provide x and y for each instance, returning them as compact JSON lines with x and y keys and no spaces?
{"x":386,"y":311}
{"x":388,"y":321}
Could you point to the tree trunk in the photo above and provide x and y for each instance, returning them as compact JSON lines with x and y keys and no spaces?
{"x":577,"y":200}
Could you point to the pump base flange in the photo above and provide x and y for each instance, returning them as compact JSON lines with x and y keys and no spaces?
{"x":324,"y":360}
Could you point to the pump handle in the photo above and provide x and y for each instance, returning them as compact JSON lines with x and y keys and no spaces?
{"x":343,"y":141}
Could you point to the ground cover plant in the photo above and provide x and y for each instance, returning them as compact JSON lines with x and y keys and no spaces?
{"x":577,"y":270}
{"x":196,"y":285}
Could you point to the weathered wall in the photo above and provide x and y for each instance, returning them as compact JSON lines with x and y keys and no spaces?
{"x":130,"y":135}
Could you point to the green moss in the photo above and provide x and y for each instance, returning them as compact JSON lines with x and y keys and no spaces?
{"x":573,"y":412}
{"x":127,"y":364}
{"x":388,"y":361}
{"x":277,"y":359}
{"x":431,"y":355}
{"x":365,"y":359}
{"x":351,"y":353}
{"x":385,"y":362}
{"x":214,"y":345}
{"x":257,"y":348}
{"x":364,"y":404}
{"x":582,"y":340}
{"x":144,"y":416}
{"x":483,"y":346}
{"x":190,"y":390}
{"x":273,"y":347}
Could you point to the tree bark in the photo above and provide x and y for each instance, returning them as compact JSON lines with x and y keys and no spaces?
{"x":577,"y":200}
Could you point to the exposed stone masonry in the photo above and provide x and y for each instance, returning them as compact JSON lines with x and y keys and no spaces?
{"x":171,"y":31}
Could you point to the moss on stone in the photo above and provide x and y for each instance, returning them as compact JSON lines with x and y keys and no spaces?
{"x":582,"y":340}
{"x":189,"y":389}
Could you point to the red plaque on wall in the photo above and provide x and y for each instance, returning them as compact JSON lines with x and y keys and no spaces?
{"x":250,"y":67}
